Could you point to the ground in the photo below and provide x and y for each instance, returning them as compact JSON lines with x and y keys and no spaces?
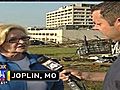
{"x":93,"y":76}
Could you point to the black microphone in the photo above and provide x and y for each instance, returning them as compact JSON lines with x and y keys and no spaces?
{"x":50,"y":63}
{"x":54,"y":65}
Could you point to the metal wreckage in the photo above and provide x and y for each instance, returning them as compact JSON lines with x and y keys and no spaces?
{"x":100,"y":50}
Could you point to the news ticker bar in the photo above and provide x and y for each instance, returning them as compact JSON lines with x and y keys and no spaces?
{"x":32,"y":75}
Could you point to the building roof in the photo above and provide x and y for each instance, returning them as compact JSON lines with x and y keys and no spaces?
{"x":79,"y":34}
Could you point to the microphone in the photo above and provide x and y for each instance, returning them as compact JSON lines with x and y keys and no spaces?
{"x":54,"y":65}
{"x":50,"y":63}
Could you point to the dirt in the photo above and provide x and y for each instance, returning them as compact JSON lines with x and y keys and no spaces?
{"x":92,"y":76}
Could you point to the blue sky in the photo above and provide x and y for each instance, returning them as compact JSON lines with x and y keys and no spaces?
{"x":28,"y":13}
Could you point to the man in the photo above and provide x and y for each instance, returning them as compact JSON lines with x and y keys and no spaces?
{"x":106,"y":17}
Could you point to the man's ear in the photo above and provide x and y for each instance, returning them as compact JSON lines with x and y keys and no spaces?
{"x":118,"y":21}
{"x":117,"y":24}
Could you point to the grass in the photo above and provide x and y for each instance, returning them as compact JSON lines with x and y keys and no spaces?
{"x":59,"y":52}
{"x":90,"y":85}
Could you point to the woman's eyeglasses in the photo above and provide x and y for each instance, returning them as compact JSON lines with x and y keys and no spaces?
{"x":16,"y":39}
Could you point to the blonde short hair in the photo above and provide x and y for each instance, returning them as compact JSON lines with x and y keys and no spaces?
{"x":6,"y":28}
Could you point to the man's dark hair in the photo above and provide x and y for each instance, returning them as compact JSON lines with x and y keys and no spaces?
{"x":96,"y":7}
{"x":110,"y":10}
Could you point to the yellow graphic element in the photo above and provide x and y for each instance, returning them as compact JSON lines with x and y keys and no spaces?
{"x":8,"y":75}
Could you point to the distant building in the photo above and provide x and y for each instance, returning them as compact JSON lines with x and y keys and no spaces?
{"x":73,"y":27}
{"x":44,"y":34}
{"x":75,"y":14}
{"x":61,"y":36}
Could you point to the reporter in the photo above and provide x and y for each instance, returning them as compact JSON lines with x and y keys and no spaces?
{"x":106,"y":17}
{"x":14,"y":44}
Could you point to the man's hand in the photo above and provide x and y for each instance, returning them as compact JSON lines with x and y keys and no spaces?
{"x":63,"y":76}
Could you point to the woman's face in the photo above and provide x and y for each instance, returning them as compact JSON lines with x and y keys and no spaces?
{"x":16,"y":42}
{"x":103,"y":26}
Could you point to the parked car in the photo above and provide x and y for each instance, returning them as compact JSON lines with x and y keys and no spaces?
{"x":36,"y":42}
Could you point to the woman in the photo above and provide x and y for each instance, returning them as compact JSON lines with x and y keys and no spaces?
{"x":13,"y":52}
